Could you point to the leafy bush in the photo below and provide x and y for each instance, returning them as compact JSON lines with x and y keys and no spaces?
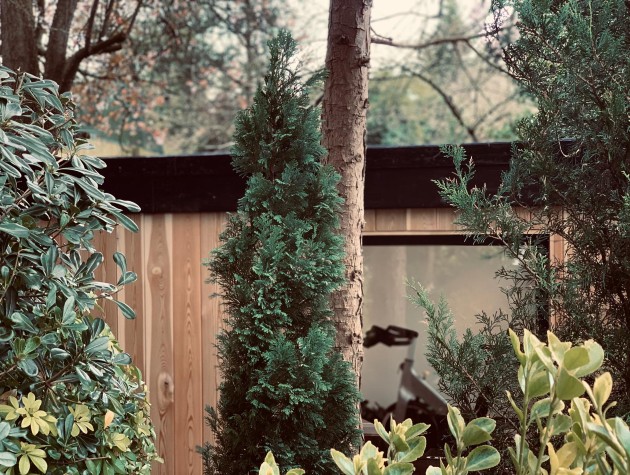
{"x":406,"y":445}
{"x":569,"y":177}
{"x":284,"y":388}
{"x":580,"y":439}
{"x":70,"y":401}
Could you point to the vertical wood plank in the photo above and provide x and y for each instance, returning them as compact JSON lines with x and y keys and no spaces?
{"x":422,"y":219}
{"x":134,"y":330}
{"x":157,"y":238}
{"x":445,"y":219}
{"x":211,"y":317}
{"x":370,"y":220}
{"x":187,"y":343}
{"x":391,"y":220}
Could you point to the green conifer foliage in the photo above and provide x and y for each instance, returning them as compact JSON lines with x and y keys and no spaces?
{"x":283,"y":388}
{"x":571,"y":172}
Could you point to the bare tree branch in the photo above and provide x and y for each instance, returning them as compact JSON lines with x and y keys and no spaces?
{"x":488,"y":61}
{"x":90,"y":25}
{"x":448,"y":100}
{"x":108,"y":14}
{"x":378,"y":39}
{"x":109,"y":45}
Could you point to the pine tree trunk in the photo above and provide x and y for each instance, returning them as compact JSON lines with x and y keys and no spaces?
{"x":18,"y":48}
{"x":344,"y":120}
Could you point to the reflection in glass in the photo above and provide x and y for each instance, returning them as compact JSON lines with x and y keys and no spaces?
{"x":465,"y":275}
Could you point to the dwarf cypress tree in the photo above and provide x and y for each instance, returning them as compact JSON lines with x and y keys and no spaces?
{"x":281,"y":257}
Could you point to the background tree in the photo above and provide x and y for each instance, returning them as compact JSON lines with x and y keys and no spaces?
{"x":55,"y":39}
{"x":285,"y":388}
{"x":344,"y":127}
{"x":446,"y":81}
{"x":570,"y":173}
{"x":189,"y":68}
{"x":169,"y":75}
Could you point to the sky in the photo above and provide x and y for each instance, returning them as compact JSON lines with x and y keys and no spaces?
{"x":404,"y":21}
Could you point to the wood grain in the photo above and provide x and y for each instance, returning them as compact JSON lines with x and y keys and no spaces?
{"x":158,"y":240}
{"x":187,"y":342}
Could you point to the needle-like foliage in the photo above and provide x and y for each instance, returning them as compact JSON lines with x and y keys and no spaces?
{"x":284,"y":389}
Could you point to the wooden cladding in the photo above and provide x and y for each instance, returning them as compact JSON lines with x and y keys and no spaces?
{"x":173,"y":338}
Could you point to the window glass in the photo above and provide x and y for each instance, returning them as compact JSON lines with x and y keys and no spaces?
{"x":463,"y":274}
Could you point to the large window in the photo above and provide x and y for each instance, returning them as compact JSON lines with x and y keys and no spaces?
{"x":445,"y":265}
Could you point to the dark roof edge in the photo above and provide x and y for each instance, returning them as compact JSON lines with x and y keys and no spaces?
{"x":396,"y":177}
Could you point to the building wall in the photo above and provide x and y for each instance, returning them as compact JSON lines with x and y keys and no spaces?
{"x":172,"y":340}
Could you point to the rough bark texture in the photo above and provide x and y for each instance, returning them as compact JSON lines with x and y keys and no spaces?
{"x":58,"y":40}
{"x":345,"y":107}
{"x":19,"y":47}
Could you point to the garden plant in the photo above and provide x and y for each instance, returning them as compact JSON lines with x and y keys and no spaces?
{"x":285,"y":389}
{"x":568,"y":178}
{"x":572,"y":434}
{"x":71,"y":402}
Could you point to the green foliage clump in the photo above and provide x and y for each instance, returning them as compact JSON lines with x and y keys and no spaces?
{"x":70,"y":401}
{"x":284,"y":387}
{"x":579,"y":440}
{"x":406,"y":444}
{"x":568,"y":178}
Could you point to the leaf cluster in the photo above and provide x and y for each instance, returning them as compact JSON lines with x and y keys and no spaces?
{"x":70,"y":402}
{"x":568,"y":176}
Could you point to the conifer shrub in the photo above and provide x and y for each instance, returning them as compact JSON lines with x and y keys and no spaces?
{"x":284,"y":388}
{"x":70,"y":401}
{"x":570,"y":174}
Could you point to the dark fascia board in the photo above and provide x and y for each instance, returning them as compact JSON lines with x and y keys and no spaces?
{"x":396,"y":177}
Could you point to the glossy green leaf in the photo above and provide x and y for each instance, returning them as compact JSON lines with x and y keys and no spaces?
{"x":602,"y":387}
{"x":97,"y":345}
{"x":7,"y":459}
{"x":482,"y":458}
{"x":475,"y":434}
{"x":575,"y":358}
{"x":455,"y":422}
{"x":595,"y":356}
{"x":14,"y":229}
{"x":127,"y":311}
{"x":623,"y":435}
{"x":22,"y":322}
{"x":417,"y":451}
{"x":399,"y":469}
{"x":568,"y":386}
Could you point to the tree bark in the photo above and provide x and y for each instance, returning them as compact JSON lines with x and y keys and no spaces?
{"x":58,"y":40}
{"x":344,"y":129}
{"x":19,"y":46}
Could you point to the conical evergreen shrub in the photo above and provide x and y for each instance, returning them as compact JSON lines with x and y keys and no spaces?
{"x":284,"y":388}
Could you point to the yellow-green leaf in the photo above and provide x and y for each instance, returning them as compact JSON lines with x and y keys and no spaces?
{"x":568,"y":386}
{"x":344,"y":463}
{"x":602,"y":389}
